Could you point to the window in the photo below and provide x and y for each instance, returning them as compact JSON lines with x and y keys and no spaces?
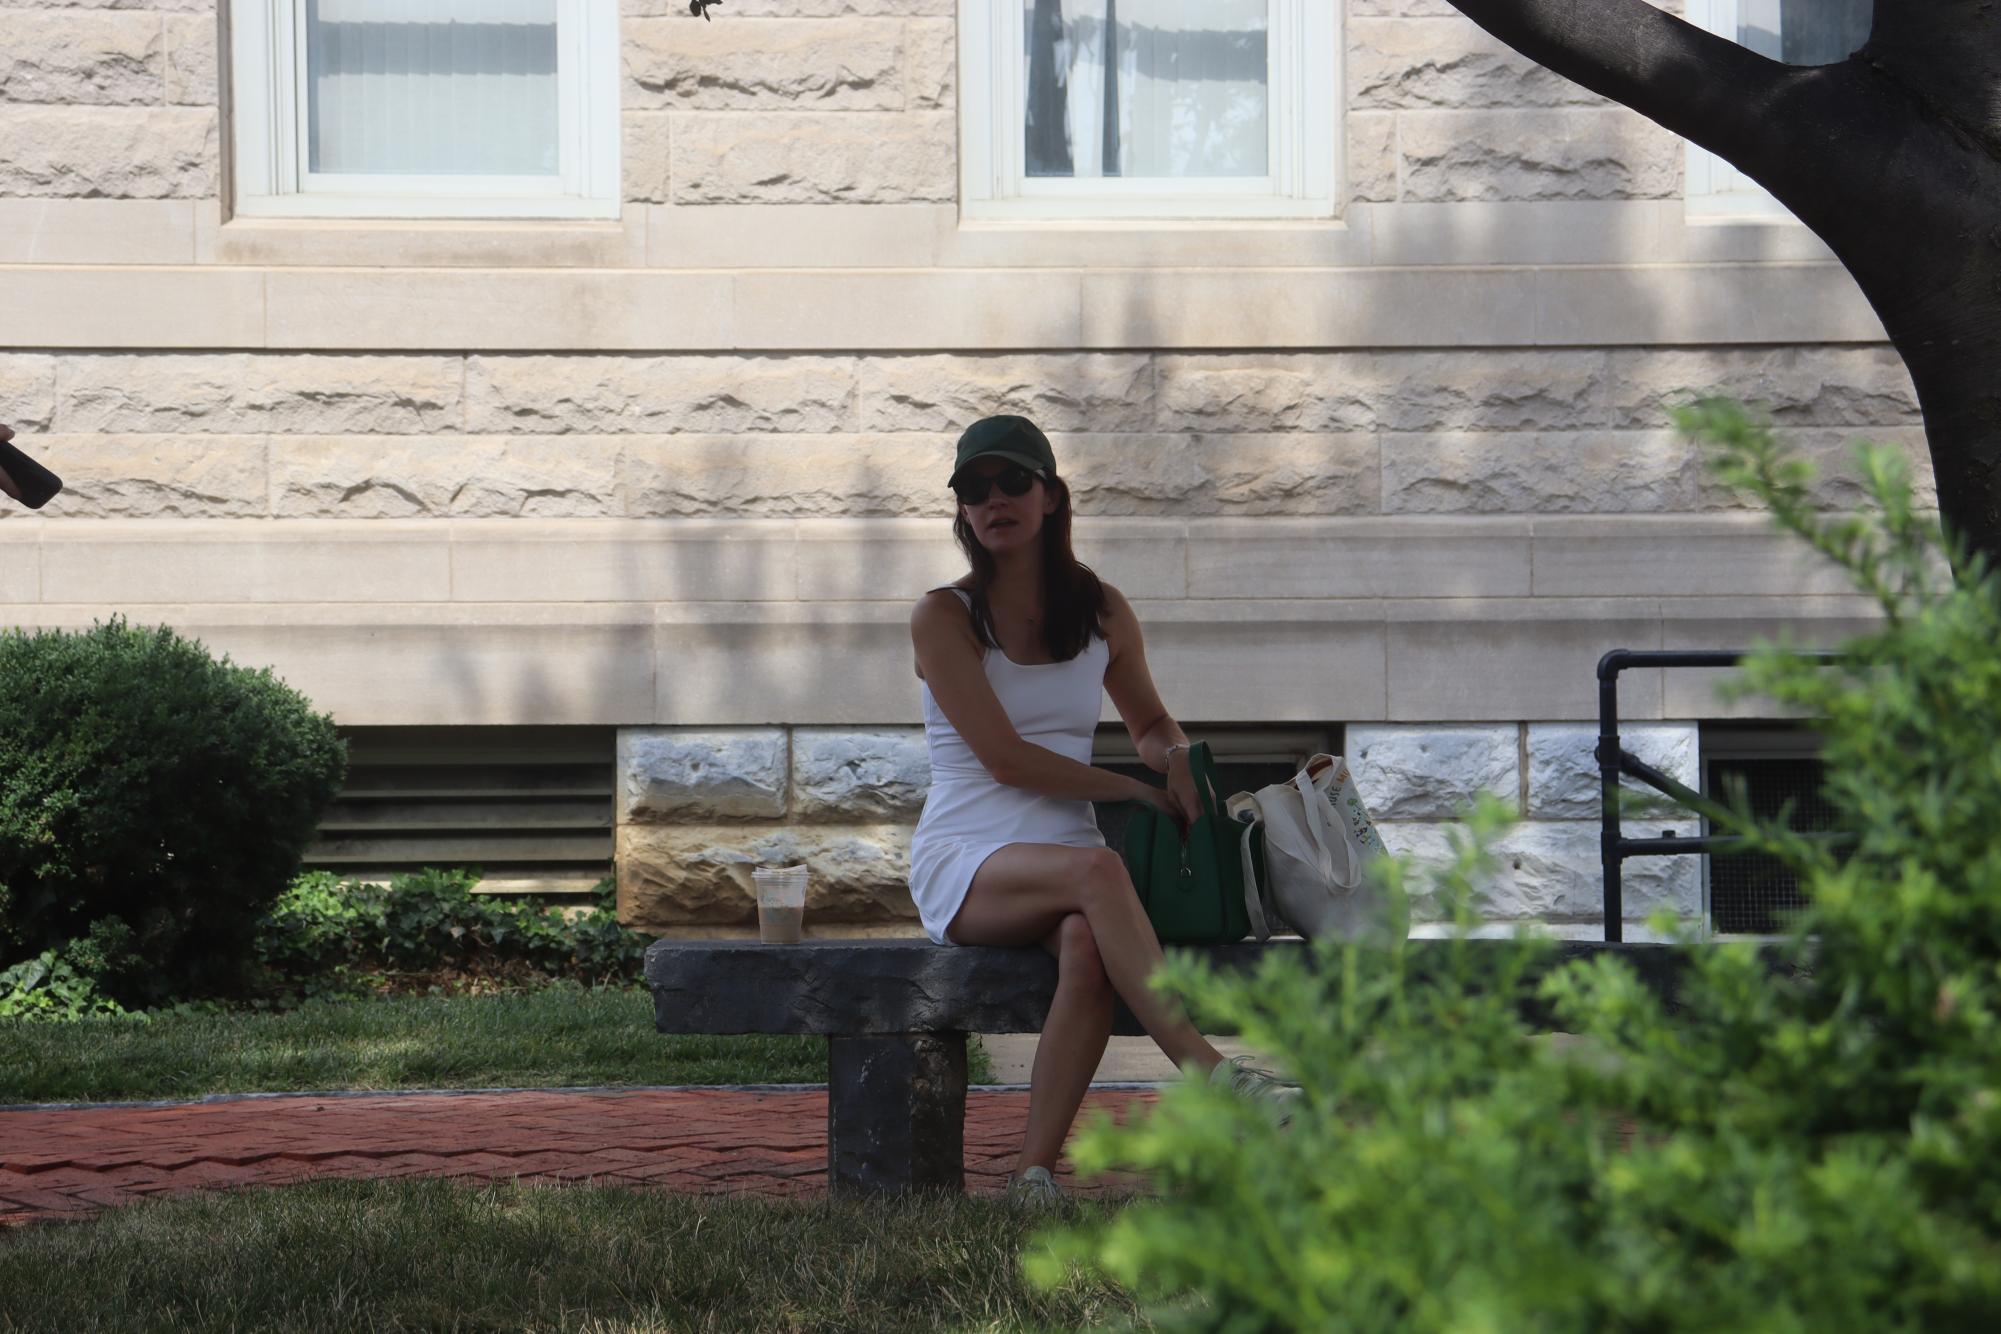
{"x":1148,"y":108}
{"x":1798,"y":32}
{"x":425,"y":108}
{"x":1750,"y":893}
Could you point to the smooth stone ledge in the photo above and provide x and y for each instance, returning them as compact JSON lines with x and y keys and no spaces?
{"x":861,"y":988}
{"x":902,"y":309}
{"x":768,"y":663}
{"x":171,"y":560}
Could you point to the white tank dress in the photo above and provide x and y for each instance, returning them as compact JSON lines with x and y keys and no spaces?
{"x":967,"y":815}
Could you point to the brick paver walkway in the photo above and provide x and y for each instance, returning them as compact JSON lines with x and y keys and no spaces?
{"x":69,"y":1162}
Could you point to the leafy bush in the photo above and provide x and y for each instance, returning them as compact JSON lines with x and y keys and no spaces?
{"x":1812,"y":1146}
{"x":153,"y":800}
{"x":57,"y":984}
{"x":322,"y":932}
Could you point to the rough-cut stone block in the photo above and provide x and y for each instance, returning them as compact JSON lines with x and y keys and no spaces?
{"x":302,"y":393}
{"x":1795,"y":386}
{"x":27,"y":390}
{"x":847,"y":64}
{"x":1563,"y":767}
{"x":1449,"y":63}
{"x":896,"y":1113}
{"x":1065,"y":392}
{"x":1372,"y":160}
{"x":1550,"y":871}
{"x":1410,"y":772}
{"x":1838,"y":481}
{"x":863,"y":157}
{"x":1406,"y":8}
{"x":859,"y":777}
{"x":1568,"y":472}
{"x":675,"y":874}
{"x":191,"y":42}
{"x":931,"y":64}
{"x":799,"y":476}
{"x":1356,"y":391}
{"x":81,"y":58}
{"x":617,"y":394}
{"x":1186,"y":476}
{"x":1568,"y":154}
{"x":674,"y":773}
{"x":643,"y":167}
{"x":156,"y":477}
{"x":377,"y":477}
{"x":109,"y":152}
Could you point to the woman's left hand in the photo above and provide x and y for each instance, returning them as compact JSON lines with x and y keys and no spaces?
{"x":1181,"y":787}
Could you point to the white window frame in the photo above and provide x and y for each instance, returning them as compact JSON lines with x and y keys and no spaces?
{"x":1715,"y":188}
{"x":1302,"y":121}
{"x":267,"y":67}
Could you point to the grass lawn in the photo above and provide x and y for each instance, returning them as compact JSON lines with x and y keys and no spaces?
{"x":552,"y":1037}
{"x":418,"y":1254}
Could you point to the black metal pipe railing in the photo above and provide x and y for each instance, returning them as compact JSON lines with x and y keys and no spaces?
{"x":1614,"y":762}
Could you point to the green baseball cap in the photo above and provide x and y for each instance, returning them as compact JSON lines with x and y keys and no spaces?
{"x":1016,"y":439}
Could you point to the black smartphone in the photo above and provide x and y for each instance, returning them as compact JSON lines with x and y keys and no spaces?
{"x":35,"y":483}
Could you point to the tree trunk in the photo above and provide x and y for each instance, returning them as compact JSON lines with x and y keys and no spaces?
{"x":1892,"y":157}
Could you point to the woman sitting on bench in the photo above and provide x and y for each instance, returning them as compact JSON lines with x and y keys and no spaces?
{"x":1013,"y":659}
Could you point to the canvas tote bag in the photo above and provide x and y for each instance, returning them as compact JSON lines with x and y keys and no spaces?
{"x":1306,"y":849}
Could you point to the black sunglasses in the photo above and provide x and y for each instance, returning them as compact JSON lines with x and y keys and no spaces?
{"x":1014,"y":480}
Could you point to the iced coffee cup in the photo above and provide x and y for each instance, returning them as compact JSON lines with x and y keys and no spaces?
{"x":781,"y":903}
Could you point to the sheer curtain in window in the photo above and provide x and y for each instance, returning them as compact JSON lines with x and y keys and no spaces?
{"x":432,"y":87}
{"x":1148,"y":88}
{"x":1804,"y":32}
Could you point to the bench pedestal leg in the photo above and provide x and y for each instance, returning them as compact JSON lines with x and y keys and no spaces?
{"x":896,"y":1113}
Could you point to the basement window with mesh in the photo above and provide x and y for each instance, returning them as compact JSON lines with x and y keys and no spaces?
{"x":530,"y":807}
{"x":1751,"y":893}
{"x":1247,"y":758}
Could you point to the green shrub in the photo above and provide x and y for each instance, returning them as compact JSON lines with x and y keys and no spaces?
{"x":1816,"y":1147}
{"x":322,"y":931}
{"x":153,"y":800}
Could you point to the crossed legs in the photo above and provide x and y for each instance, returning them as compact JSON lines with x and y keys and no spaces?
{"x":1079,"y":904}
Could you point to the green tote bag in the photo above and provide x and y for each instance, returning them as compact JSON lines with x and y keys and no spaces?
{"x":1192,"y":888}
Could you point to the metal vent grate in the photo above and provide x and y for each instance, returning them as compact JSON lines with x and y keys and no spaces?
{"x":1751,"y":893}
{"x":531,"y":807}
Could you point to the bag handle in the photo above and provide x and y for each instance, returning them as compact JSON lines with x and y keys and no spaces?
{"x":1313,"y":798}
{"x":1202,"y":770}
{"x":1253,"y":901}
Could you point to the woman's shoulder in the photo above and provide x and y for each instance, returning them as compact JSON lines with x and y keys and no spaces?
{"x":943,"y":606}
{"x":945,"y":597}
{"x":1119,"y":620}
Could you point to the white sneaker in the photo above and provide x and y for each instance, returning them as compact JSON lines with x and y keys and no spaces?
{"x":1035,"y":1189}
{"x":1237,"y":1074}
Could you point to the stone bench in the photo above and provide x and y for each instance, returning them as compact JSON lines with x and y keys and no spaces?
{"x":895,"y":1014}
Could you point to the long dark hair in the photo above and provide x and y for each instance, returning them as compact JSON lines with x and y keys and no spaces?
{"x":1073,"y":599}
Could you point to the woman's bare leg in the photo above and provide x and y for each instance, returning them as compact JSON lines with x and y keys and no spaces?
{"x":1024,"y":891}
{"x":1073,"y":1041}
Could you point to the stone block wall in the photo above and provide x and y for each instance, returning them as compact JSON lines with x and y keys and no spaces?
{"x":699,"y":808}
{"x":584,"y":435}
{"x":109,"y":101}
{"x":1417,"y":778}
{"x":793,"y":166}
